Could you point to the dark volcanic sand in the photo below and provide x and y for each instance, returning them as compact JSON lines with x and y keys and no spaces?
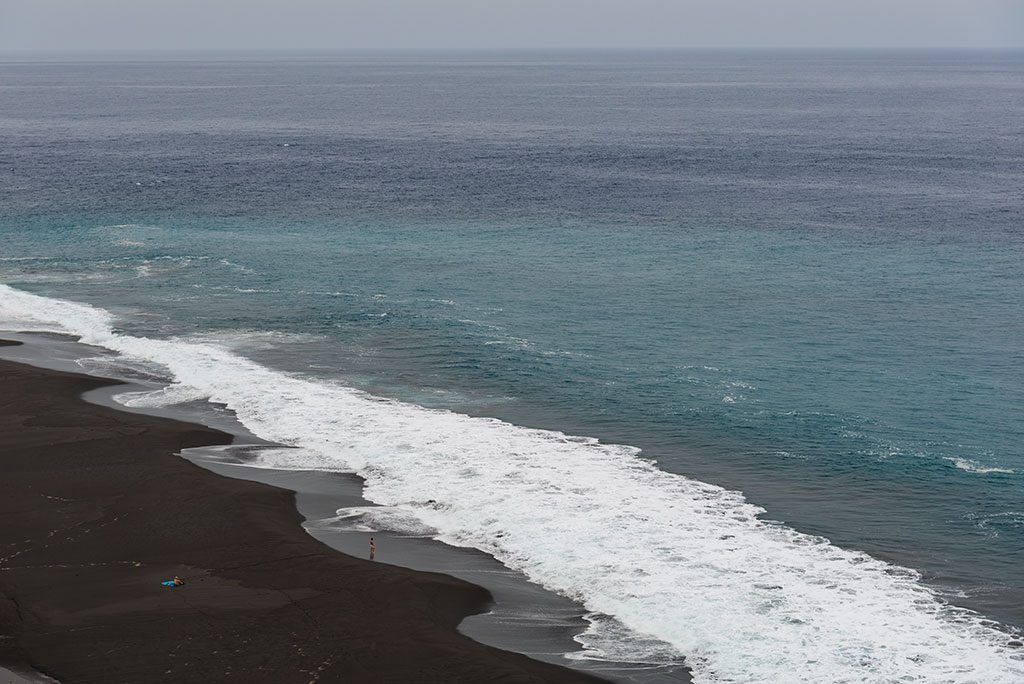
{"x":96,"y":509}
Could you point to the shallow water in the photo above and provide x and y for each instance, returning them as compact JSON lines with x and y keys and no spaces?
{"x":795,"y":275}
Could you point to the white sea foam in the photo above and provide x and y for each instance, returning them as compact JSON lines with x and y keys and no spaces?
{"x":992,"y":524}
{"x":246,"y":340}
{"x":238,"y":267}
{"x":975,"y":467}
{"x":167,"y":396}
{"x":375,"y":519}
{"x":607,"y":639}
{"x":673,"y":558}
{"x":161,"y":265}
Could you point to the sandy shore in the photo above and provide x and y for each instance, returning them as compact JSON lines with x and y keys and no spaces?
{"x":97,"y":510}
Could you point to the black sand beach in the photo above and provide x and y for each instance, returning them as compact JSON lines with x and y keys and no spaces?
{"x":98,"y":509}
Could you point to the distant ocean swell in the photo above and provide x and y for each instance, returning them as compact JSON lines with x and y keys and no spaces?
{"x":686,"y":562}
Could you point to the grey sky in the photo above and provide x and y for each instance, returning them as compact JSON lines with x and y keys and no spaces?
{"x":232,"y":24}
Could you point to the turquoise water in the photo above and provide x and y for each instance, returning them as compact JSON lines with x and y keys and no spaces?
{"x":798,"y":277}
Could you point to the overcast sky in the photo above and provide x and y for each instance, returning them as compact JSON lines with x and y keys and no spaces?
{"x":247,"y":24}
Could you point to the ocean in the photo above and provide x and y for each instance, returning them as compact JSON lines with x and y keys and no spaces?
{"x":728,"y":346}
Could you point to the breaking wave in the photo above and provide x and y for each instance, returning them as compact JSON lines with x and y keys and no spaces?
{"x":678,"y":563}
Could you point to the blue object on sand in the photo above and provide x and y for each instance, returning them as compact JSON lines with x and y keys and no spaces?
{"x":168,"y":583}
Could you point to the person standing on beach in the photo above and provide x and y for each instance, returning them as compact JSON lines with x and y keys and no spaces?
{"x":373,"y":548}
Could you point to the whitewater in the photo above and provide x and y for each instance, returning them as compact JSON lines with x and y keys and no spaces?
{"x":685,"y":562}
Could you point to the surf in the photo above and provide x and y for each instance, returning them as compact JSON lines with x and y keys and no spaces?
{"x":685,"y":562}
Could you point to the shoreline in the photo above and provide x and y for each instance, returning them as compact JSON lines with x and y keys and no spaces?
{"x":118,"y":510}
{"x":523,"y":617}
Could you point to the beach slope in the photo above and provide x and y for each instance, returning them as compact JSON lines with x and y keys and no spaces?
{"x":96,"y":510}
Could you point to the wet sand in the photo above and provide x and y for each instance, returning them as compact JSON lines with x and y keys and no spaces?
{"x":97,"y":509}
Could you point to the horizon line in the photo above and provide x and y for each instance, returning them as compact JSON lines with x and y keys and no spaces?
{"x":658,"y":48}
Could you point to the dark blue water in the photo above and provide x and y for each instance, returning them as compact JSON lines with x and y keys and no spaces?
{"x":798,"y":275}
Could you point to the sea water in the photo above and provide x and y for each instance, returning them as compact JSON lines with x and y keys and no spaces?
{"x":727,"y":346}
